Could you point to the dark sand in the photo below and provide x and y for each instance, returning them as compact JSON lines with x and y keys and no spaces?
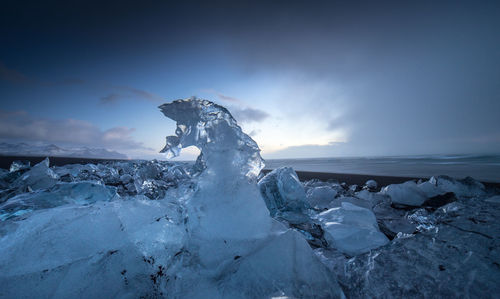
{"x":351,"y":179}
{"x":360,"y":179}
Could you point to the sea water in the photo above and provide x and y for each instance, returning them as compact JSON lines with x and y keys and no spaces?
{"x":481,"y":167}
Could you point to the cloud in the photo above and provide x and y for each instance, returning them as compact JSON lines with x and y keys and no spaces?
{"x":228,"y":99}
{"x":20,"y":126}
{"x":331,"y":149}
{"x":120,"y":91}
{"x":110,"y":98}
{"x":247,"y":115}
{"x":129,"y":93}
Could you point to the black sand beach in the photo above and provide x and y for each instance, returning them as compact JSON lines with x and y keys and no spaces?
{"x":351,"y":179}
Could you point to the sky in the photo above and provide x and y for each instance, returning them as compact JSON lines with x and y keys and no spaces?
{"x":303,"y":78}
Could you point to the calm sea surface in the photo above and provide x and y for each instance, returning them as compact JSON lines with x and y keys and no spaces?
{"x":485,"y":168}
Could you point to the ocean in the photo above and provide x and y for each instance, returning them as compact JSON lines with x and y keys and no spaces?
{"x":481,"y":167}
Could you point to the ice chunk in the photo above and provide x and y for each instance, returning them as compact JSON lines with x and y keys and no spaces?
{"x":467,"y":187}
{"x":63,"y":193}
{"x":321,"y":197}
{"x":39,"y":176}
{"x":355,"y":200}
{"x":430,"y":189}
{"x":284,"y":267}
{"x":351,"y":229}
{"x":19,"y":165}
{"x":105,"y":250}
{"x":392,"y":221}
{"x":212,"y":129}
{"x":370,"y":185}
{"x":282,"y":191}
{"x":407,"y":194}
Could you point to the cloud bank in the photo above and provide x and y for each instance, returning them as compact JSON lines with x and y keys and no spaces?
{"x":21,"y":126}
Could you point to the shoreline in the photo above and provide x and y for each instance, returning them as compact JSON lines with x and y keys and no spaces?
{"x":350,"y":179}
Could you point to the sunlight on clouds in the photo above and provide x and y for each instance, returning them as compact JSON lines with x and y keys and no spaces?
{"x":302,"y":111}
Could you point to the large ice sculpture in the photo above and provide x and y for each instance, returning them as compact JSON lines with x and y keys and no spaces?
{"x":212,"y":129}
{"x":228,"y":225}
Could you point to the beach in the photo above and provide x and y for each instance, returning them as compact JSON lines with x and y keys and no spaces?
{"x":348,"y":178}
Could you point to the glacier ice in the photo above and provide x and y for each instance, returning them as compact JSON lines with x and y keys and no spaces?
{"x":406,"y":193}
{"x":156,"y":228}
{"x":216,"y":229}
{"x":62,"y":193}
{"x":283,"y":192}
{"x":458,"y":258}
{"x":467,"y":187}
{"x":212,"y":129}
{"x":351,"y":229}
{"x":370,"y":185}
{"x":39,"y":176}
{"x":321,"y":197}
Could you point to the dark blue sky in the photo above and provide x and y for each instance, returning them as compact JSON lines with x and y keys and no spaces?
{"x":306,"y":79}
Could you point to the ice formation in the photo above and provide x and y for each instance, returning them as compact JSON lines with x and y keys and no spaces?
{"x":212,"y":129}
{"x":156,"y":229}
{"x":160,"y":229}
{"x":351,"y":229}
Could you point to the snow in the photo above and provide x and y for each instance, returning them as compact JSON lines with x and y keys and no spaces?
{"x":52,"y":150}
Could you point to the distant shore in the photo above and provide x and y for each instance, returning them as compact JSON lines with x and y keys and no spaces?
{"x":351,"y":179}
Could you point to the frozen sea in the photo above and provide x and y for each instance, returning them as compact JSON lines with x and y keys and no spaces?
{"x":485,"y":168}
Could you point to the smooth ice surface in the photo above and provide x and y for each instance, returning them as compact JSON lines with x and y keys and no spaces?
{"x":283,"y":192}
{"x":321,"y":197}
{"x":351,"y":229}
{"x":406,"y":193}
